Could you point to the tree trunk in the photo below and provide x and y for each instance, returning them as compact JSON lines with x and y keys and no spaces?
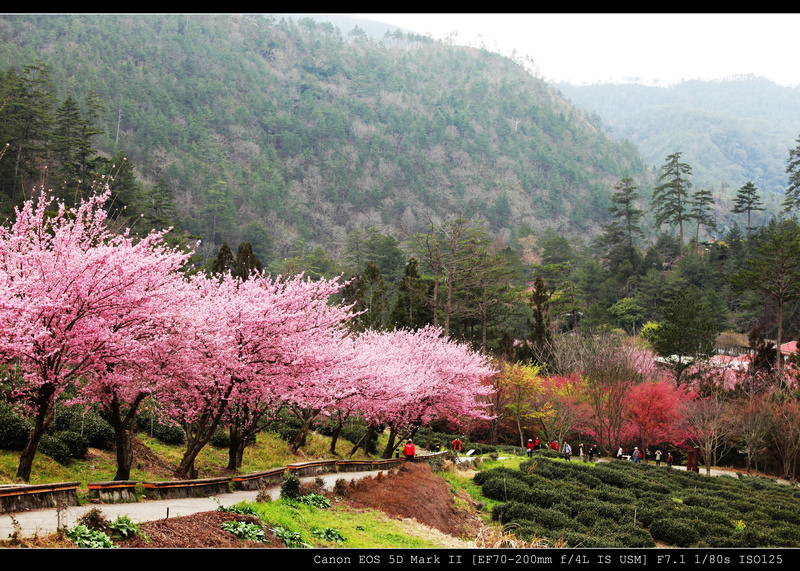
{"x":197,"y":436}
{"x":306,"y":416}
{"x":390,"y":446}
{"x":236,"y":444}
{"x":26,"y":458}
{"x":357,"y":445}
{"x":335,"y":436}
{"x":123,"y":435}
{"x":41,"y":421}
{"x":124,"y":444}
{"x":368,"y":438}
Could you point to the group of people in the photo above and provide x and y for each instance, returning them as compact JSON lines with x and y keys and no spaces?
{"x":637,"y":456}
{"x":409,"y":451}
{"x":566,"y":449}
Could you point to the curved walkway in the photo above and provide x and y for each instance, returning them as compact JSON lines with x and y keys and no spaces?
{"x":47,"y":521}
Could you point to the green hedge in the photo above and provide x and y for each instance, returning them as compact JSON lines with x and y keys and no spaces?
{"x":14,"y":430}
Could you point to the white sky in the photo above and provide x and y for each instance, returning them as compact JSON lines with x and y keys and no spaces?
{"x":587,"y":48}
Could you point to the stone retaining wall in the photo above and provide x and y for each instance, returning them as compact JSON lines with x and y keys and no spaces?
{"x":17,"y":498}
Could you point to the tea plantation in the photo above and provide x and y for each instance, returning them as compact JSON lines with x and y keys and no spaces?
{"x":619,"y":504}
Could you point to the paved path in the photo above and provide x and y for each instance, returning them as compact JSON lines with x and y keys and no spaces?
{"x":47,"y":520}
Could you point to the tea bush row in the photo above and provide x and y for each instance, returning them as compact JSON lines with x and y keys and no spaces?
{"x":619,"y":504}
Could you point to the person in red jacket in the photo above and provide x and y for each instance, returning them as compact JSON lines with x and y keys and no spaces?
{"x":409,"y":450}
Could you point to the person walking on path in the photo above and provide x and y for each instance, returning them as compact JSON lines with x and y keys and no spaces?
{"x":567,"y":451}
{"x":580,"y":452}
{"x":670,"y":459}
{"x":536,"y":444}
{"x":619,"y":452}
{"x":658,"y":457}
{"x":410,"y":451}
{"x":530,"y":448}
{"x":636,"y":455}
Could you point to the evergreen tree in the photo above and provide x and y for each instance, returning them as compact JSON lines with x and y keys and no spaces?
{"x":792,"y":198}
{"x":701,"y":211}
{"x":747,"y":200}
{"x":671,"y":198}
{"x":245,"y":262}
{"x":26,"y":119}
{"x":687,"y":332}
{"x":159,"y":206}
{"x":627,"y":217}
{"x":774,"y":271}
{"x":224,"y":262}
{"x":410,"y":309}
{"x":76,"y":162}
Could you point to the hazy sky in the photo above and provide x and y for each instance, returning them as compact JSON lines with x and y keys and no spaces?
{"x":586,"y":48}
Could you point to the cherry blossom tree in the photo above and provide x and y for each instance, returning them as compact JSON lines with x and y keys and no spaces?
{"x":257,"y":344}
{"x":419,"y":376}
{"x":74,"y":298}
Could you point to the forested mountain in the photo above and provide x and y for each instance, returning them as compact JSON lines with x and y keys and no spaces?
{"x":289,"y":134}
{"x":732,"y":131}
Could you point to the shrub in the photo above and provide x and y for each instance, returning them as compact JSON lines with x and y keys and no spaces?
{"x":77,"y":445}
{"x":676,"y":532}
{"x":506,"y":489}
{"x":221,"y":438}
{"x":166,"y":430}
{"x":517,"y":512}
{"x":290,"y":488}
{"x":630,"y":536}
{"x":14,"y":430}
{"x":578,"y":539}
{"x":53,"y":446}
{"x":98,"y":432}
{"x":124,"y":528}
{"x":95,"y":520}
{"x":481,"y":477}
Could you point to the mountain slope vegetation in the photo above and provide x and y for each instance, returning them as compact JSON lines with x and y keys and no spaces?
{"x":287,"y":133}
{"x":733,"y":131}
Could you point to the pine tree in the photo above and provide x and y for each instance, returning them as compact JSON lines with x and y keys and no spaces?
{"x":701,"y":211}
{"x":159,"y":206}
{"x":624,"y":210}
{"x":792,"y":198}
{"x":26,"y":119}
{"x":224,"y":262}
{"x":246,"y":262}
{"x":747,"y":201}
{"x":671,"y":198}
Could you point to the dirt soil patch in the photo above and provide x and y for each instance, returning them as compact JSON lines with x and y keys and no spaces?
{"x":414,"y":493}
{"x":198,"y":530}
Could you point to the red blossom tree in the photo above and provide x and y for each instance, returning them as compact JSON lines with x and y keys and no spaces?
{"x":654,"y":412}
